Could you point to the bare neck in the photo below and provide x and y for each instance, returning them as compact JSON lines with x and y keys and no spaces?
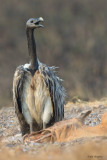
{"x":32,"y":49}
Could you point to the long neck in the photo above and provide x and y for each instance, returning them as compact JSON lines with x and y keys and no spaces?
{"x":32,"y":49}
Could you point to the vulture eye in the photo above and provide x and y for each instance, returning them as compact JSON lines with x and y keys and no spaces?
{"x":32,"y":21}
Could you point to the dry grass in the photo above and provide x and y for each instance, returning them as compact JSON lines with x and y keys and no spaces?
{"x":79,"y":103}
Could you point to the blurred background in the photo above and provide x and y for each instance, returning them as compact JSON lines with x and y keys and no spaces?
{"x":74,"y":39}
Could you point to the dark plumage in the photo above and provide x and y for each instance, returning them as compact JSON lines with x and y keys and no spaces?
{"x":37,"y":93}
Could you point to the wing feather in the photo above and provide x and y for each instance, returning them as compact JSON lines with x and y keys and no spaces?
{"x":57,"y":91}
{"x":18,"y":87}
{"x":18,"y":82}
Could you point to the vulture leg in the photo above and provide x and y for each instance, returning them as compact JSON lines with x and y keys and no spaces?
{"x":31,"y":128}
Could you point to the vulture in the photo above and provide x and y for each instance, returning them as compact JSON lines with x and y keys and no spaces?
{"x":38,"y":94}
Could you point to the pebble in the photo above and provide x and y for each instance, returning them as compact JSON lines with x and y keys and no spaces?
{"x":11,"y":136}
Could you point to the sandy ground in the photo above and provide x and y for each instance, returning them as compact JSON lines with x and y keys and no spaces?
{"x":13,"y":147}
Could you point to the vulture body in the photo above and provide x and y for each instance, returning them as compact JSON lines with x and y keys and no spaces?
{"x":38,"y":94}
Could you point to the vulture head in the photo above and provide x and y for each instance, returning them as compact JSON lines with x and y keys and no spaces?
{"x":34,"y":23}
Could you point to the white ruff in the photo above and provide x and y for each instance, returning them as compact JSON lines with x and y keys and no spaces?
{"x":26,"y":65}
